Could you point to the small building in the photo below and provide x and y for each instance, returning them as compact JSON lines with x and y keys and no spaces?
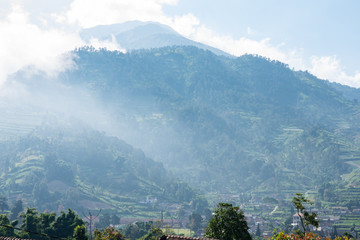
{"x":296,"y":223}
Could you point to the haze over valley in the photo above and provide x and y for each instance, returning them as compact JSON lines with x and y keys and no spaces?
{"x":140,"y":118}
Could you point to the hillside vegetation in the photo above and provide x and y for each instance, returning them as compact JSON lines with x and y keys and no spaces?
{"x":225,"y":124}
{"x":185,"y":117}
{"x":74,"y":166}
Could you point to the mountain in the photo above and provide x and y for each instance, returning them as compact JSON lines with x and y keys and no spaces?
{"x":225,"y":124}
{"x":142,"y":35}
{"x":221,"y":124}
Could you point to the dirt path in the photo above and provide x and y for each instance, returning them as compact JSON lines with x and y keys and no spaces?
{"x":276,"y":207}
{"x":354,"y":164}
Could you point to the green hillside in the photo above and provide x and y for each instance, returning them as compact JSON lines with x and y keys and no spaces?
{"x":225,"y":124}
{"x":74,"y":166}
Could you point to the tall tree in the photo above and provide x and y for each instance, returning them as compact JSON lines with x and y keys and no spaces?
{"x":46,"y":221}
{"x":305,"y":217}
{"x":80,"y":233}
{"x":29,"y":224}
{"x":16,"y":209}
{"x":6,"y":228}
{"x":104,"y":221}
{"x":258,"y":232}
{"x":3,"y":204}
{"x":195,"y":220}
{"x":115,"y":219}
{"x":228,"y":223}
{"x":66,"y":223}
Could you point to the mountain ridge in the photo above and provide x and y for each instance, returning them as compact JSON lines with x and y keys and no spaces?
{"x":135,"y":35}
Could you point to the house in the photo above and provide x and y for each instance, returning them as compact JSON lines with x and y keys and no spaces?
{"x":149,"y":200}
{"x":356,"y":211}
{"x":296,"y":223}
{"x":340,"y":210}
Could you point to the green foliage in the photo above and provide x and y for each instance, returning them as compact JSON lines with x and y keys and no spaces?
{"x":305,"y":217}
{"x":115,"y":219}
{"x":195,"y":221}
{"x":104,"y":221}
{"x":3,"y":204}
{"x":138,"y":229}
{"x":6,"y":226}
{"x":258,"y":232}
{"x":35,"y":226}
{"x":69,"y":165}
{"x":65,"y":224}
{"x":30,"y":220}
{"x":241,"y":123}
{"x":16,"y":209}
{"x":80,"y":233}
{"x":154,"y":234}
{"x":109,"y":233}
{"x":228,"y":223}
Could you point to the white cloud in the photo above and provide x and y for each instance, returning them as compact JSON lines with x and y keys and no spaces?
{"x":185,"y":25}
{"x":89,"y":13}
{"x":28,"y":44}
{"x":330,"y":68}
{"x":23,"y":44}
{"x":326,"y":67}
{"x":189,"y":26}
{"x":109,"y":45}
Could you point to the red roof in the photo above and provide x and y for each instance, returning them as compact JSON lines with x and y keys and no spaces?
{"x":174,"y":237}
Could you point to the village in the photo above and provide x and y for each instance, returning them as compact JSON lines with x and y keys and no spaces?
{"x":263,"y":216}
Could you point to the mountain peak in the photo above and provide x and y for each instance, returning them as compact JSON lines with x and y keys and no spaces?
{"x":142,"y":35}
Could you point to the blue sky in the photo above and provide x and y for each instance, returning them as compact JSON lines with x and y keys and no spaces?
{"x":319,"y":36}
{"x":313,"y":28}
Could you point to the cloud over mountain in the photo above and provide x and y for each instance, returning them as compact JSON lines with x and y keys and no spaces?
{"x":26,"y":44}
{"x":38,"y":34}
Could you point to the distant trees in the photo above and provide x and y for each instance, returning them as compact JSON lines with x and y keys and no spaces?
{"x":115,"y":219}
{"x":65,"y":224}
{"x":6,"y":226}
{"x":109,"y":233}
{"x":80,"y":233}
{"x":138,"y":229}
{"x":30,"y":223}
{"x":104,"y":221}
{"x":258,"y":232}
{"x":228,"y":223}
{"x":195,"y":220}
{"x":3,"y":204}
{"x":16,"y":209}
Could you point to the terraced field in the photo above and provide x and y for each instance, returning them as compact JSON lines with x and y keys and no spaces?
{"x":18,"y":122}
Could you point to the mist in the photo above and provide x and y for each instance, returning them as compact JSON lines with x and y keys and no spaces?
{"x":31,"y":98}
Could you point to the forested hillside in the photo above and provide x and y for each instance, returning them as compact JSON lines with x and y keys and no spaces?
{"x":224,"y":124}
{"x":61,"y":166}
